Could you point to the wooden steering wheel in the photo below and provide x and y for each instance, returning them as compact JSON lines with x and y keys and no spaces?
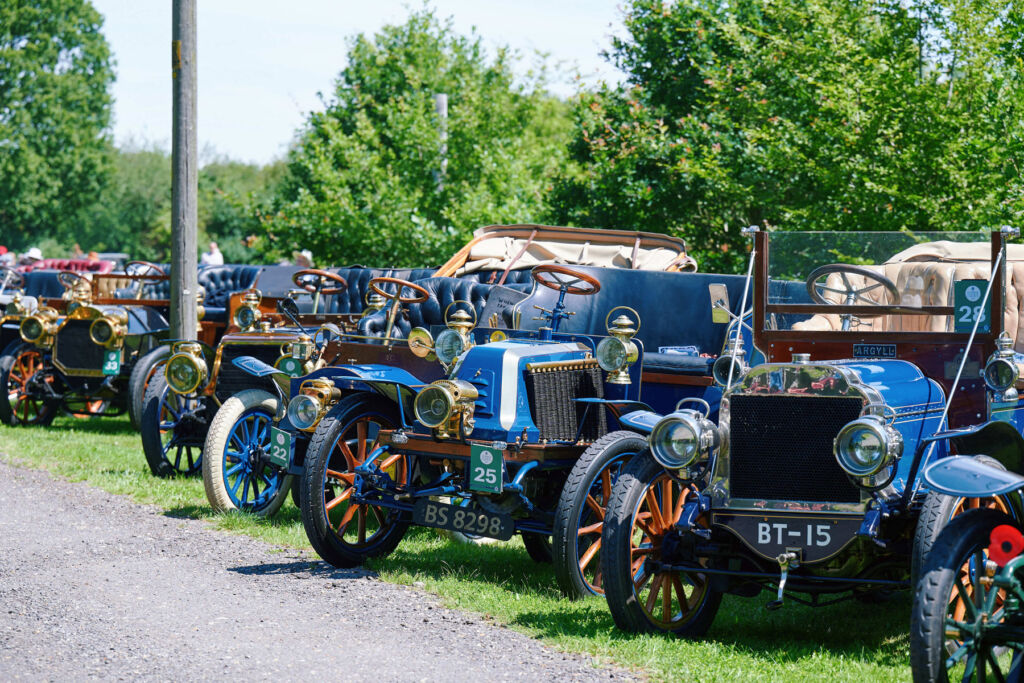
{"x":850,"y":294}
{"x":568,"y":281}
{"x":400,"y":284}
{"x":9,"y":277}
{"x":303,"y":279}
{"x":70,"y":279}
{"x":144,"y":270}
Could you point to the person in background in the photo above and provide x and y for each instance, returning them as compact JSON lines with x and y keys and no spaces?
{"x":303,"y":259}
{"x":31,"y":256}
{"x":76,"y":251}
{"x":93,"y":257}
{"x":213,"y":257}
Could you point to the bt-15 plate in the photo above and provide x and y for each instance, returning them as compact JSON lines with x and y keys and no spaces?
{"x":468,"y":520}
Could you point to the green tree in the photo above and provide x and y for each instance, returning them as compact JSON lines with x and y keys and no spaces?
{"x":364,"y":181}
{"x":810,"y":114}
{"x":55,"y":75}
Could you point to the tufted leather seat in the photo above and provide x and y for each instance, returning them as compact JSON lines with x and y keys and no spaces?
{"x":491,"y":277}
{"x":78,"y":265}
{"x":353,"y":299}
{"x":443,"y":291}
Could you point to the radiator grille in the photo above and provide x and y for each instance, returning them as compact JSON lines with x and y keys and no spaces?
{"x":781,"y":448}
{"x":232,"y":380}
{"x":551,"y":388}
{"x":75,"y":350}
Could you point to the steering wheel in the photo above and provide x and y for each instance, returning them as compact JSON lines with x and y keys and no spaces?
{"x":70,"y":279}
{"x":851,"y":295}
{"x":422,"y":294}
{"x":312,"y":280}
{"x":143,"y":270}
{"x":9,"y":277}
{"x":548,"y":275}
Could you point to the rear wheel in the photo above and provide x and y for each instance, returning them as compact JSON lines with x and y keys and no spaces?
{"x":22,"y":376}
{"x":173,"y":429}
{"x":957,"y":616}
{"x":237,"y":472}
{"x":142,"y":374}
{"x":645,"y":505}
{"x":579,"y":517}
{"x":344,"y":533}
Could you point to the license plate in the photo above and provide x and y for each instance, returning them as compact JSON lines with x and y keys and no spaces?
{"x":280,"y":447}
{"x":468,"y":520}
{"x":817,"y":537}
{"x":485,"y":468}
{"x":112,"y":362}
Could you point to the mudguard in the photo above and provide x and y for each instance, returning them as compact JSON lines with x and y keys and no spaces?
{"x":966,"y":477}
{"x":255,"y":367}
{"x":641,"y":421}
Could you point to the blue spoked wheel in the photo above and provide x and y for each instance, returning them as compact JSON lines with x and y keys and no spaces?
{"x":173,"y":429}
{"x":237,"y":472}
{"x":579,"y":517}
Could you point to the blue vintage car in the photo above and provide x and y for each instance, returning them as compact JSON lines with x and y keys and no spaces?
{"x":809,"y":484}
{"x":505,"y":441}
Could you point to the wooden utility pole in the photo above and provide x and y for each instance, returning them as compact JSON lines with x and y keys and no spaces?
{"x":184,"y":184}
{"x":441,"y":107}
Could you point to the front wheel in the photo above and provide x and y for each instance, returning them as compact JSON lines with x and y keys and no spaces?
{"x":579,"y":517}
{"x":173,"y":429}
{"x":344,"y":533}
{"x":646,"y":503}
{"x":959,"y":624}
{"x":146,"y":368}
{"x":22,"y":375}
{"x":237,"y":472}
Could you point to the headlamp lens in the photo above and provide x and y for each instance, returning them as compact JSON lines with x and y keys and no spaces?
{"x":183,"y":376}
{"x":433,"y":405}
{"x":448,"y":346}
{"x":245,"y":317}
{"x":31,"y":329}
{"x":303,"y":411}
{"x":1000,"y":374}
{"x":865,"y":446}
{"x":674,"y":443}
{"x":101,"y":331}
{"x":611,"y":354}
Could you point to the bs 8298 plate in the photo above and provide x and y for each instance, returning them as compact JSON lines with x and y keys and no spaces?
{"x":468,"y":520}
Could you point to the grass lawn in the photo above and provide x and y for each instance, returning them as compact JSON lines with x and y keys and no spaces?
{"x":850,"y":641}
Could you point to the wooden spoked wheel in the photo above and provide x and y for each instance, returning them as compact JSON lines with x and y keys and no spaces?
{"x":25,"y":407}
{"x":588,"y":534}
{"x":357,"y":524}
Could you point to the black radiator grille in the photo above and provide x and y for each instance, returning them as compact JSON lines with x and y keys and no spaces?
{"x":232,"y":380}
{"x":75,"y":350}
{"x":551,"y":388}
{"x":781,"y":448}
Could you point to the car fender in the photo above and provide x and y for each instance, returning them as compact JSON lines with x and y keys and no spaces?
{"x":965,"y":476}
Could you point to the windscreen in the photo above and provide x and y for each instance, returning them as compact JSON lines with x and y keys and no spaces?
{"x":938,"y":279}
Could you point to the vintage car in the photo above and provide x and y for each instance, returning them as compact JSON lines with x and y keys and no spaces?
{"x":502,"y":443}
{"x":491,"y":272}
{"x":968,"y":615}
{"x":88,"y":353}
{"x":810,"y":482}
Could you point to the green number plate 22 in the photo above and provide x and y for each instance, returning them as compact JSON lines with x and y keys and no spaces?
{"x":280,"y":447}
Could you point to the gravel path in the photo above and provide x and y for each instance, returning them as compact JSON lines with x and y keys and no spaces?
{"x":95,"y":586}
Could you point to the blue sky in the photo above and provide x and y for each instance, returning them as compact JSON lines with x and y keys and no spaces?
{"x":262,"y":62}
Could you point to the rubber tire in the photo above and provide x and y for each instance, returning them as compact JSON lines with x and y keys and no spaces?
{"x":216,"y":441}
{"x":616,"y":553}
{"x":927,"y":622}
{"x":149,"y":430}
{"x":538,"y":547}
{"x":7,"y":416}
{"x":314,"y":518}
{"x":935,"y":515}
{"x":139,"y":380}
{"x":603,"y":452}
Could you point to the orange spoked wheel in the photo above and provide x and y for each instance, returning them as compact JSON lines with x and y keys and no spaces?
{"x":579,"y":517}
{"x":23,"y":376}
{"x":343,"y":532}
{"x":962,"y":625}
{"x":639,"y":530}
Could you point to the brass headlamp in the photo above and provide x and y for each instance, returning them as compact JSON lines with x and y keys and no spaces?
{"x":294,"y":356}
{"x":248,"y":313}
{"x":315,"y":398}
{"x":447,"y":406}
{"x":451,"y":343}
{"x":617,"y":352}
{"x":15,"y":307}
{"x":1001,"y":370}
{"x":40,"y":327}
{"x":186,"y":368}
{"x":110,"y":329}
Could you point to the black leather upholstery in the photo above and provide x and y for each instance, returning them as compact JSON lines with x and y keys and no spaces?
{"x":353,"y":299}
{"x":43,"y":283}
{"x":443,"y":291}
{"x":223,"y":281}
{"x":491,"y":277}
